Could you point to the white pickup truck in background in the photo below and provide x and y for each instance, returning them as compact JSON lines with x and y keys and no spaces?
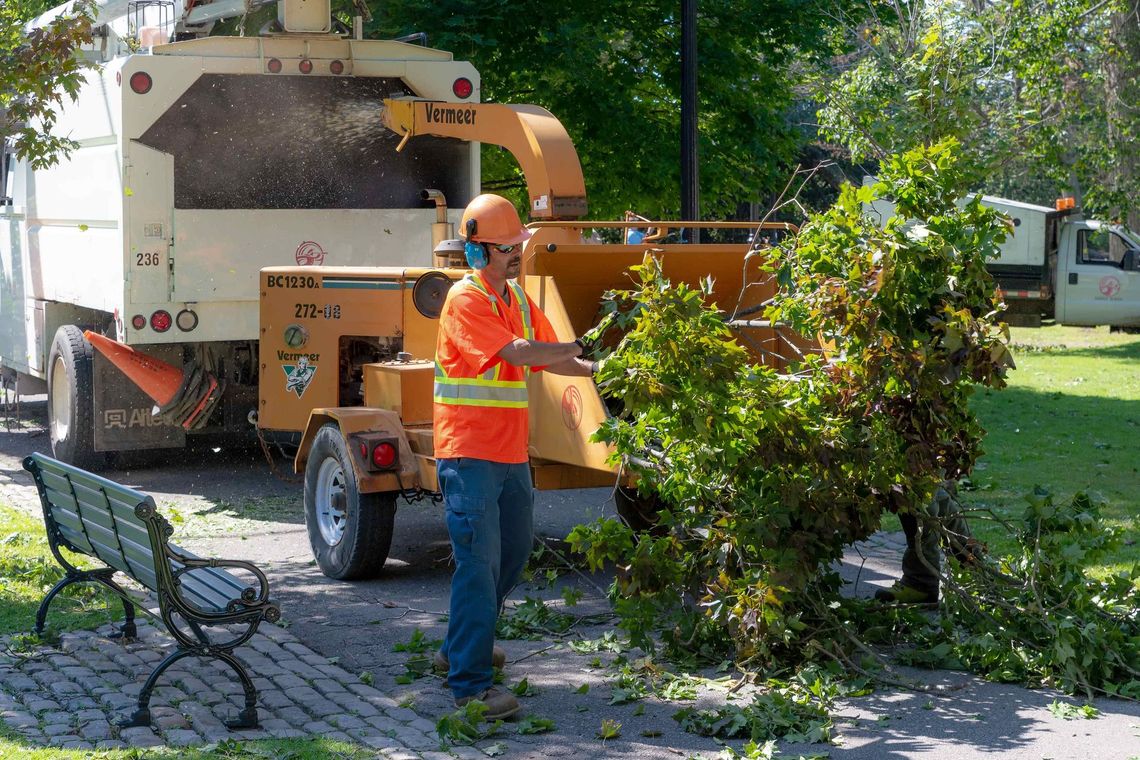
{"x":1059,"y":267}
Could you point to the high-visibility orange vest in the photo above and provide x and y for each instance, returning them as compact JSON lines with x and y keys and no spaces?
{"x":482,"y":415}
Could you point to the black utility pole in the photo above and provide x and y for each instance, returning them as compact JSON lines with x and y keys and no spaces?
{"x":690,"y":173}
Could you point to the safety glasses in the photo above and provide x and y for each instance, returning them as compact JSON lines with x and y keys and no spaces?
{"x":506,"y":248}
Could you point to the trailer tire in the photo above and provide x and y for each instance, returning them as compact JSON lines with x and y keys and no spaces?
{"x":71,"y":399}
{"x":350,"y":532}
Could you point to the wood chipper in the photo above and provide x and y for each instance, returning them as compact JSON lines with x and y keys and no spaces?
{"x":347,"y":352}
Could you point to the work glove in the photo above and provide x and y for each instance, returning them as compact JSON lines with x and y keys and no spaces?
{"x":586,"y":344}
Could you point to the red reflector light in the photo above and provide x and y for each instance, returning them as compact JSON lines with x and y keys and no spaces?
{"x":363,"y":450}
{"x":274,"y":66}
{"x":305,"y":66}
{"x":138,"y":321}
{"x":336,"y":67}
{"x":462,"y":87}
{"x":160,"y":321}
{"x":384,"y":455}
{"x":141,"y":82}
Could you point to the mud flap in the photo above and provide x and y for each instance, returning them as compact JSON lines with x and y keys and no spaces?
{"x":123,"y":421}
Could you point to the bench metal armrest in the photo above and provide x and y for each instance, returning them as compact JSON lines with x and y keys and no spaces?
{"x":249,"y":596}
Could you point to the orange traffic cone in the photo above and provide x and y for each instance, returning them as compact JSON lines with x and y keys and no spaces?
{"x":181,"y":398}
{"x":157,"y":379}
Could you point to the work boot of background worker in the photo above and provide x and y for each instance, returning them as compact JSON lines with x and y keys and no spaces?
{"x":441,"y":665}
{"x":922,"y":559}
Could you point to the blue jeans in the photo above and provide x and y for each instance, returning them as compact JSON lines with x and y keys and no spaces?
{"x":490,"y":518}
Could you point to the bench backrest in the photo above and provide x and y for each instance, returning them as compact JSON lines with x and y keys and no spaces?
{"x":123,"y":529}
{"x":99,"y":517}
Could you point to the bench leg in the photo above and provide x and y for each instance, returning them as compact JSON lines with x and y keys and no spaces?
{"x":246,"y":718}
{"x":128,"y":630}
{"x":41,"y":613}
{"x":141,"y":716}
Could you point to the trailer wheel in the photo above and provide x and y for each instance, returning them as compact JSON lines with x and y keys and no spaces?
{"x":71,"y":399}
{"x":350,"y":532}
{"x":639,"y":512}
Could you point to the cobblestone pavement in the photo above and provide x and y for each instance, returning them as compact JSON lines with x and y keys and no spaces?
{"x":72,"y":695}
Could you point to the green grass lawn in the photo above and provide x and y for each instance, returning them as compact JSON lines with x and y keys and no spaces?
{"x":1069,"y":421}
{"x":28,"y":570}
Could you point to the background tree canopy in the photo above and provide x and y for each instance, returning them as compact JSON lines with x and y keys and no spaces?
{"x":36,"y":71}
{"x":1040,"y":94}
{"x":610,"y":71}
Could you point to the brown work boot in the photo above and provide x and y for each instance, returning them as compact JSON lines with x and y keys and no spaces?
{"x":441,"y":665}
{"x":500,"y":704}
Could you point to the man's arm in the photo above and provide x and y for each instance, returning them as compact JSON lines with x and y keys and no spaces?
{"x":576,"y":367}
{"x":528,"y":353}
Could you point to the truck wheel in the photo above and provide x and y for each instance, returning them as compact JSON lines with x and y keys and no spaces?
{"x":71,"y":399}
{"x":350,"y":532}
{"x":637,"y":511}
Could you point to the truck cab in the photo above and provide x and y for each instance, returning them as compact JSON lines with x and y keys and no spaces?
{"x":1098,"y":275}
{"x":1056,"y":265}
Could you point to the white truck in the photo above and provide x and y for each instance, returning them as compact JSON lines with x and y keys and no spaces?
{"x":200,"y":162}
{"x":1058,"y":266}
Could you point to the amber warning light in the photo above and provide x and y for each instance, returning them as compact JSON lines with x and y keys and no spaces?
{"x":1064,"y":204}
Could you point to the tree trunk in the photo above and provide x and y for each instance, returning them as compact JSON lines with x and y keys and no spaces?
{"x":1122,"y":101}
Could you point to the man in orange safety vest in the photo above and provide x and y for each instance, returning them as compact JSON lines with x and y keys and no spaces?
{"x":491,"y":337}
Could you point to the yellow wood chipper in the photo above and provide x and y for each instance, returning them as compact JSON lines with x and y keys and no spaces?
{"x":347,"y":352}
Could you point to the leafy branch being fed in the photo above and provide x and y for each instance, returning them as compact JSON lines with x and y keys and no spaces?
{"x":763,"y":478}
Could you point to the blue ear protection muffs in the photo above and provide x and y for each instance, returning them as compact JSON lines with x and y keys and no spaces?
{"x":475,"y":253}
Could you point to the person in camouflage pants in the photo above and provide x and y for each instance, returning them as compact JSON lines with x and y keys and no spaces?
{"x":925,"y":534}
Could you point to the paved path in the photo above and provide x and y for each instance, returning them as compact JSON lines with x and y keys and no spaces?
{"x":310,"y":674}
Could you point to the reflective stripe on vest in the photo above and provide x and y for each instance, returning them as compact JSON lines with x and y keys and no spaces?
{"x":487,"y":389}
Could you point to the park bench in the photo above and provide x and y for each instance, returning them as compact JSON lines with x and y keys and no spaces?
{"x":122,"y":529}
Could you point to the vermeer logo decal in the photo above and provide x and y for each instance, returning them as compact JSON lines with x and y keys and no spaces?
{"x":299,"y":375}
{"x":571,"y":407}
{"x":445,"y":115}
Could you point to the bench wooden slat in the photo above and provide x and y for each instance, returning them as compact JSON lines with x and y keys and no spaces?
{"x":210,"y":589}
{"x":122,"y":500}
{"x":64,"y":510}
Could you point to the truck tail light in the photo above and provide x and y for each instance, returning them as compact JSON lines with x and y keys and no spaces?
{"x":273,"y":65}
{"x":160,"y":321}
{"x":305,"y":66}
{"x":138,"y":321}
{"x":186,"y":320}
{"x":336,"y":67}
{"x":462,"y":87}
{"x":141,"y":82}
{"x":384,"y":455}
{"x":379,"y":452}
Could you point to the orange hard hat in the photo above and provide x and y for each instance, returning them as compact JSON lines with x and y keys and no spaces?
{"x":492,"y":219}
